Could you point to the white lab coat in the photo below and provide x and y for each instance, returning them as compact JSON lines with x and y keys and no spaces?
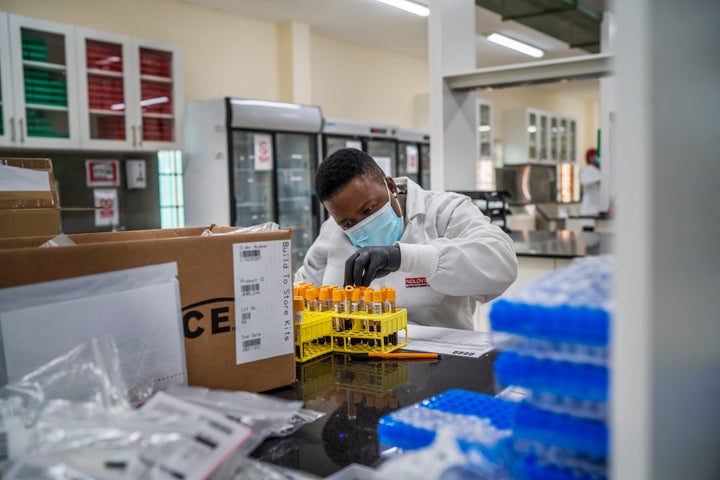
{"x":590,"y":203}
{"x":452,"y":258}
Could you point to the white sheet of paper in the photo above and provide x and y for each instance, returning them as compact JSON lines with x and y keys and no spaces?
{"x":139,"y":307}
{"x":385,"y":163}
{"x":451,"y":341}
{"x":263,"y":300}
{"x":23,"y":179}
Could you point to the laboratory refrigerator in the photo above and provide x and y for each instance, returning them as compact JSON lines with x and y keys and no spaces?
{"x":378,"y":140}
{"x":248,"y":162}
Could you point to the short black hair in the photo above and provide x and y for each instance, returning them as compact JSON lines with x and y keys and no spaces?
{"x":340,"y":168}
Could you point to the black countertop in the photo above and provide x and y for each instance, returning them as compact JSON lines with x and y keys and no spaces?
{"x":354,"y":394}
{"x":561,"y":243}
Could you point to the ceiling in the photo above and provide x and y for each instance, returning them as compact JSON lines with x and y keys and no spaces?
{"x":379,"y":26}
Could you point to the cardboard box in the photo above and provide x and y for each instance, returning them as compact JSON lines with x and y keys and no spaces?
{"x":222,"y":277}
{"x":29,"y":212}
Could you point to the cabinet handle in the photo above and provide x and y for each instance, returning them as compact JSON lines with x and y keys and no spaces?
{"x":140,"y":136}
{"x":134,"y":136}
{"x":22,"y":131}
{"x":12,"y":129}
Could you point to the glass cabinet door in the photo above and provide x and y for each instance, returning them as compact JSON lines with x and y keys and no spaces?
{"x":484,"y":131}
{"x":532,"y":130}
{"x":295,"y":158}
{"x":43,"y":68}
{"x":563,"y":140}
{"x":554,"y":132}
{"x":106,"y":112}
{"x":7,"y":121}
{"x":159,"y":102}
{"x":543,"y":134}
{"x":383,"y":151}
{"x":572,"y":141}
{"x":253,"y":193}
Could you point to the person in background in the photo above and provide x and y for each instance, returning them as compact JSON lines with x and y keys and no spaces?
{"x":437,"y":249}
{"x":590,"y":184}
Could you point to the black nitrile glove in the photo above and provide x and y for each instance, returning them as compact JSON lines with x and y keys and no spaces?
{"x":369,"y":263}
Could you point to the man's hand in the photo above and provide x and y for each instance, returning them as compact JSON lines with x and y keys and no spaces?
{"x":369,"y":263}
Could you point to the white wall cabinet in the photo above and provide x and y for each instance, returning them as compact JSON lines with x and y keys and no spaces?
{"x":130,"y":92}
{"x":40,"y":103}
{"x":534,"y":136}
{"x":67,"y":88}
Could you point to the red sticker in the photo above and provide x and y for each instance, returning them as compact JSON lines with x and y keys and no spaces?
{"x":416,"y":282}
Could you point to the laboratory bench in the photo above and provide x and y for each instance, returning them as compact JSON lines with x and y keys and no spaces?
{"x":353,"y":394}
{"x":566,"y":244}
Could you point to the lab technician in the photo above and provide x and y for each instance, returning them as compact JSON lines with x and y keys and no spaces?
{"x":590,"y":183}
{"x":437,"y":249}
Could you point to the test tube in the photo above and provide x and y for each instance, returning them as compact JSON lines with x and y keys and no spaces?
{"x":368,"y":300}
{"x":298,"y":306}
{"x":311,"y":299}
{"x":338,"y":308}
{"x":323,"y":302}
{"x":348,"y":306}
{"x":377,"y":302}
{"x":390,"y":296}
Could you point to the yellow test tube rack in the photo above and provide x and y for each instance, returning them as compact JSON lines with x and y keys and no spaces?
{"x":327,"y":330}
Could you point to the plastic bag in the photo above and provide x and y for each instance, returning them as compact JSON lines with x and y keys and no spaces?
{"x":61,"y":240}
{"x":261,"y":227}
{"x":269,"y":416}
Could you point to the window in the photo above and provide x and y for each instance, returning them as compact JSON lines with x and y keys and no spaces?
{"x":172,"y":210}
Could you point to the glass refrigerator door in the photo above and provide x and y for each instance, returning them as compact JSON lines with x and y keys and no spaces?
{"x":335,"y":143}
{"x":295,"y":177}
{"x":408,"y":161}
{"x":425,"y":166}
{"x":383,"y":151}
{"x":253,"y":194}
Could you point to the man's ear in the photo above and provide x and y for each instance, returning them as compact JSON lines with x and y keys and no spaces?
{"x":391,"y":185}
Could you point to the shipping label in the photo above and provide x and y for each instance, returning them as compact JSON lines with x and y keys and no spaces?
{"x":263,"y":300}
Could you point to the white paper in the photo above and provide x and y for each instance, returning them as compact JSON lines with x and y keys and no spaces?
{"x":263,"y":300}
{"x":23,"y":179}
{"x":385,"y":163}
{"x":451,"y":341}
{"x":107,"y":200}
{"x":356,"y":144}
{"x":216,"y":439}
{"x":411,"y":154}
{"x":139,"y":307}
{"x":263,"y":151}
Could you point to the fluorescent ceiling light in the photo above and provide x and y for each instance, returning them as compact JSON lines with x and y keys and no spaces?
{"x":408,"y":6}
{"x":264,"y":103}
{"x":515,"y":45}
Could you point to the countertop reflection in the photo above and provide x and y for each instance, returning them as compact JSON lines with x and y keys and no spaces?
{"x":354,"y":394}
{"x":560,"y":243}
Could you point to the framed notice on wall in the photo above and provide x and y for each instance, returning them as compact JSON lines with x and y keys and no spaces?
{"x":102,"y":173}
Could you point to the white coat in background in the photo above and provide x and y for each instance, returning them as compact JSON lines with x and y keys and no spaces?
{"x":451,"y":258}
{"x":590,"y":203}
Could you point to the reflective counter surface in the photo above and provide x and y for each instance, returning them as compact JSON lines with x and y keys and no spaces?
{"x":354,"y":394}
{"x":560,"y":243}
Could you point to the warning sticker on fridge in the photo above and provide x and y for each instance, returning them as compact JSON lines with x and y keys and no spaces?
{"x":263,"y":300}
{"x":263,"y":151}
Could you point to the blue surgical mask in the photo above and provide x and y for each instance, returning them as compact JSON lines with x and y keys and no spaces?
{"x":382,"y":228}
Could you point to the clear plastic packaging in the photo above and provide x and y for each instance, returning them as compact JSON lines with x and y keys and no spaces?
{"x":261,"y":227}
{"x":268,"y":416}
{"x":61,"y":240}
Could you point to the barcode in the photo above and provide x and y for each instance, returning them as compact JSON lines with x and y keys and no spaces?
{"x":251,"y":255}
{"x":4,"y":454}
{"x":247,"y":290}
{"x":253,"y":344}
{"x":244,"y":317}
